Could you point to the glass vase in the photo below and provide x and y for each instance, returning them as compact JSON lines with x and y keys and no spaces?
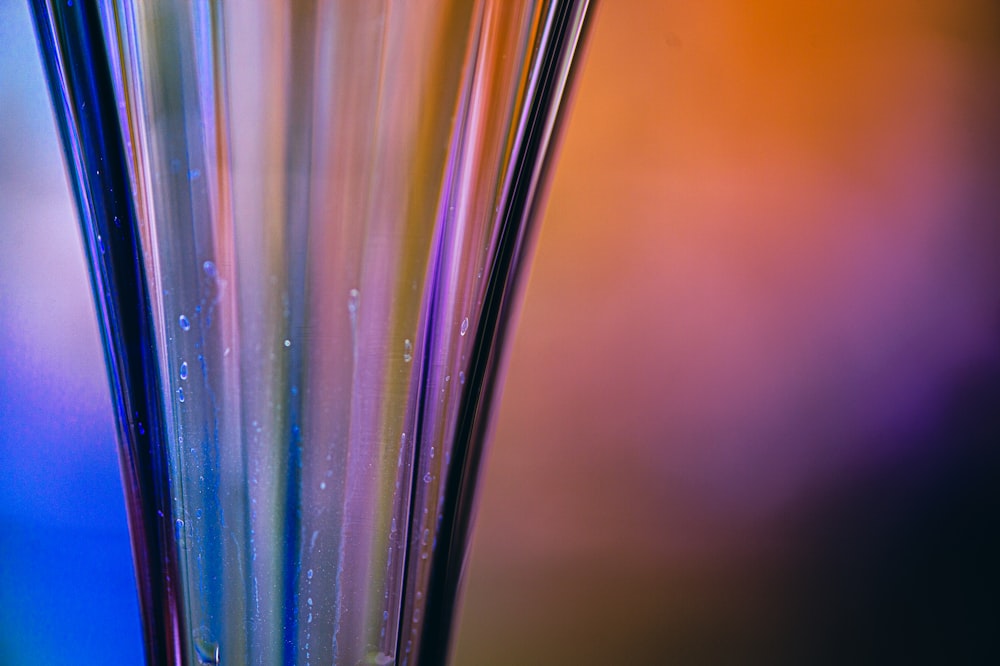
{"x":306,"y":225}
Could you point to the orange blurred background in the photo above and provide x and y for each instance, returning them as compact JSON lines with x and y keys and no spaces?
{"x":750,"y":415}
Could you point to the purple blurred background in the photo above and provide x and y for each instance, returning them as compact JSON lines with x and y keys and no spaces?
{"x":753,"y":410}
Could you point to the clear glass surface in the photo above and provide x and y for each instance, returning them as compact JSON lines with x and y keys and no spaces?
{"x":306,"y":226}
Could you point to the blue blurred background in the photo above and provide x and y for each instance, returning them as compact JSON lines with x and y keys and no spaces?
{"x":753,"y":410}
{"x":66,"y":587}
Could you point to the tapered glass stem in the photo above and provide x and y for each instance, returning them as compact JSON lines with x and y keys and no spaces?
{"x":306,"y":223}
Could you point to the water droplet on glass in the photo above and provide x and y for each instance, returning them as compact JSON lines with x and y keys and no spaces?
{"x":206,"y":650}
{"x":180,"y":395}
{"x":465,"y":326}
{"x":382,"y":659}
{"x":407,"y":350}
{"x":184,"y":323}
{"x":352,"y":302}
{"x":309,"y":601}
{"x":461,"y":377}
{"x":322,"y":485}
{"x":427,"y":477}
{"x":184,"y":370}
{"x":210,"y":269}
{"x":309,"y":574}
{"x":100,"y":243}
{"x":288,"y":343}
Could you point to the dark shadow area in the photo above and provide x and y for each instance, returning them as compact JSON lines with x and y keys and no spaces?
{"x":900,"y":565}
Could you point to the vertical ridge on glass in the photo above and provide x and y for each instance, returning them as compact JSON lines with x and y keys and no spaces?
{"x":71,"y":44}
{"x":556,"y":43}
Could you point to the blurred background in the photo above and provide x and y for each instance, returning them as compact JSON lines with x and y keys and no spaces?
{"x":753,"y":409}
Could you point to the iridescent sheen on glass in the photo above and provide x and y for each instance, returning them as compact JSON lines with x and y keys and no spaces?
{"x":306,"y":223}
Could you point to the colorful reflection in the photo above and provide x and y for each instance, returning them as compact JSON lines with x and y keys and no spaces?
{"x":751,"y":414}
